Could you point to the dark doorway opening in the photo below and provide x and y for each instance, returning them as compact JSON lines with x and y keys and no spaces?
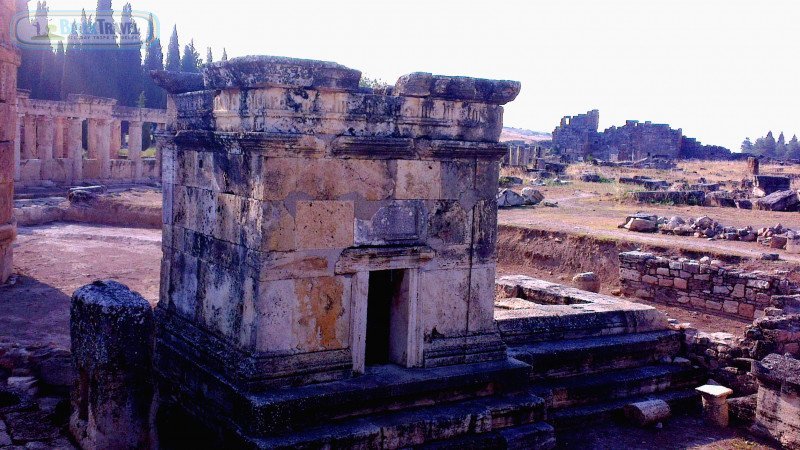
{"x":383,"y":317}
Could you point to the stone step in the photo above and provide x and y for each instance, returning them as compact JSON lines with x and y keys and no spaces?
{"x":618,"y":384}
{"x":380,"y":389}
{"x":559,"y":359}
{"x":579,"y":416}
{"x":500,"y":421}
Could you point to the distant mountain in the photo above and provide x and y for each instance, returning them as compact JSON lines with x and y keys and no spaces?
{"x":521,"y":134}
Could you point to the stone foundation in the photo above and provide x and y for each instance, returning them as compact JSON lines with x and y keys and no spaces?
{"x":699,"y":286}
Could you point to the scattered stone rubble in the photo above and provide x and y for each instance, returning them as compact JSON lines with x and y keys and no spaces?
{"x":508,"y":198}
{"x":776,"y":237}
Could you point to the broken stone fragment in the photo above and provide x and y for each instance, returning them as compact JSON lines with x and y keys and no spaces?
{"x":588,"y":281}
{"x":111,"y":330}
{"x":648,"y":413}
{"x":532,"y":196}
{"x":421,"y":84}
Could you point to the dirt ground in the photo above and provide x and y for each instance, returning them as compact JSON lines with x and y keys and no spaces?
{"x":681,"y":432}
{"x":52,"y":261}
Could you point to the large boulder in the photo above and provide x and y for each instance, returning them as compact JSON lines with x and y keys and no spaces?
{"x":509,"y":199}
{"x":532,"y":196}
{"x":779,"y":201}
{"x":642,"y":225}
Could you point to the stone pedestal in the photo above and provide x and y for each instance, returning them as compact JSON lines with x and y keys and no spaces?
{"x":111,"y":329}
{"x":715,"y":404}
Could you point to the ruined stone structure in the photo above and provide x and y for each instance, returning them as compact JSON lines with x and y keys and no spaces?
{"x":577,"y":137}
{"x":316,"y":232}
{"x":9,"y":61}
{"x":700,"y":286}
{"x":778,"y":399}
{"x":50,"y":134}
{"x":521,"y":154}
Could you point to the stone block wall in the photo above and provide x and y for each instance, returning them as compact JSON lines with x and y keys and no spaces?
{"x":9,"y":61}
{"x":287,"y":187}
{"x":778,"y":400}
{"x":703,"y":287}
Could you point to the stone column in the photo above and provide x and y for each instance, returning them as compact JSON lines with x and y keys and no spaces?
{"x":116,"y":138}
{"x":91,"y":139}
{"x":74,"y":147}
{"x":104,"y":147}
{"x":111,"y":330}
{"x":29,"y":150}
{"x":135,"y":148}
{"x":18,"y":149}
{"x":58,"y":138}
{"x":44,"y":138}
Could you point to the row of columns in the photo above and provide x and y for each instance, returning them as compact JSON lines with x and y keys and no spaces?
{"x":46,"y":138}
{"x":522,"y":156}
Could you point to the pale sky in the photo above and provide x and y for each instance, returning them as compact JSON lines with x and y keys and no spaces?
{"x":721,"y":70}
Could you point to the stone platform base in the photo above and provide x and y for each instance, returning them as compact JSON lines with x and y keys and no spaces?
{"x":387,"y":407}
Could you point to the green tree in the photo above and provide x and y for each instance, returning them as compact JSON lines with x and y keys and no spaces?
{"x":747,"y":146}
{"x":209,"y":56}
{"x":224,"y":54}
{"x":191,"y":61}
{"x":174,"y":52}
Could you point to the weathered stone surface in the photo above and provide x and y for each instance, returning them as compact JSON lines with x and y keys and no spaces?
{"x":112,"y":330}
{"x":299,"y":206}
{"x":765,"y":185}
{"x":786,"y":200}
{"x":276,"y":71}
{"x":778,"y":399}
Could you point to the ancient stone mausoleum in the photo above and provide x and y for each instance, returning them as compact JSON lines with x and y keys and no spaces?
{"x":332,"y":238}
{"x":9,"y":61}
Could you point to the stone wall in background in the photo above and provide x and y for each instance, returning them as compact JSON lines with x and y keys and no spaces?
{"x":577,"y":138}
{"x":703,"y":287}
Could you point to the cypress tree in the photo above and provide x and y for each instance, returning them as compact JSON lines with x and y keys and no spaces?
{"x":224,"y":54}
{"x":191,"y":61}
{"x":209,"y":56}
{"x":174,"y":52}
{"x":154,"y":60}
{"x":130,"y":78}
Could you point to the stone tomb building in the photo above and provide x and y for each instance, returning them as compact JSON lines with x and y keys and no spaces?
{"x":50,"y":136}
{"x":335,"y":239}
{"x":9,"y":61}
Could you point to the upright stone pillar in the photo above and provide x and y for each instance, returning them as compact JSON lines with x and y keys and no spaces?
{"x":9,"y":133}
{"x":44,"y":138}
{"x":116,"y":137}
{"x":92,"y":130}
{"x":111,"y":329}
{"x":58,"y":138}
{"x":135,"y":148}
{"x":29,"y":148}
{"x":74,"y":147}
{"x":102,"y":142}
{"x":18,"y":149}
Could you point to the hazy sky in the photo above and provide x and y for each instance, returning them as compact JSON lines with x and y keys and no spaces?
{"x":720,"y":69}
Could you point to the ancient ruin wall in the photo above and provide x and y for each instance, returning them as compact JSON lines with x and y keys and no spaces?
{"x":699,"y":286}
{"x":49,"y":141}
{"x":577,"y":138}
{"x":9,"y":61}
